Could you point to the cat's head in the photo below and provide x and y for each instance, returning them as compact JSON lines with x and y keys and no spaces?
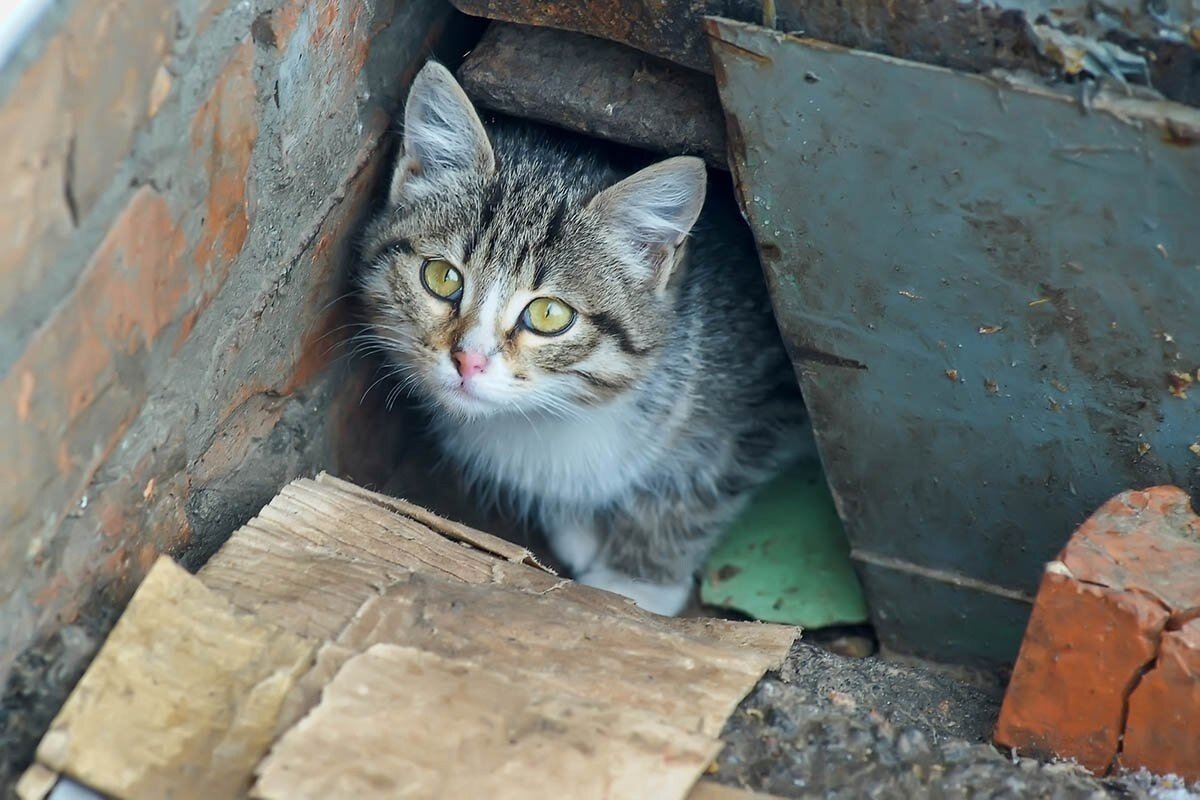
{"x":511,"y":274}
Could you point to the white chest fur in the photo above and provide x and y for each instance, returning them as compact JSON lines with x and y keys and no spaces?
{"x":583,"y":462}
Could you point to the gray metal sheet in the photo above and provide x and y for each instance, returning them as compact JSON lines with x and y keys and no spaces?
{"x":984,"y":290}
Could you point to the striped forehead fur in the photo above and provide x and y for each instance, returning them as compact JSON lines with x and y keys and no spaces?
{"x":528,"y":226}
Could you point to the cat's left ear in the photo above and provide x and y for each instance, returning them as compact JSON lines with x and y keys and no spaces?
{"x":442,"y":134}
{"x":650,"y":213}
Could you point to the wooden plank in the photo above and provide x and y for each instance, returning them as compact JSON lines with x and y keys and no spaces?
{"x":308,"y":570}
{"x":689,"y":682}
{"x":596,"y":87}
{"x":182,"y":699}
{"x":448,"y":528}
{"x":401,"y":722}
{"x":390,"y":653}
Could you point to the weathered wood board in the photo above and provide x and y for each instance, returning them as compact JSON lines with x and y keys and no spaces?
{"x":346,"y":644}
{"x":596,"y":87}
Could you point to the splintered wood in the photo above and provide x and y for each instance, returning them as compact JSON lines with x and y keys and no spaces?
{"x":346,"y":644}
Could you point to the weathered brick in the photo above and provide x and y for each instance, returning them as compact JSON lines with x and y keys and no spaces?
{"x":124,"y":299}
{"x":1146,"y":542}
{"x":297,"y":306}
{"x":1111,"y":634}
{"x":324,"y":45}
{"x":34,"y":139}
{"x":1084,"y":647}
{"x":79,"y":385}
{"x":223,"y":134}
{"x":65,"y":126}
{"x":113,"y":52}
{"x":1162,"y":733}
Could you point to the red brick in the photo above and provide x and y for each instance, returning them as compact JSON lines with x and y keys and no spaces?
{"x":69,"y":406}
{"x":1084,"y":648}
{"x":1163,"y":730}
{"x":113,"y":51}
{"x":34,"y":139}
{"x":1147,"y":542}
{"x":223,"y":134}
{"x":1101,"y":643}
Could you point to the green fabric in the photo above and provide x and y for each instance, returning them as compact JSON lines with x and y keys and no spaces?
{"x":786,"y":559}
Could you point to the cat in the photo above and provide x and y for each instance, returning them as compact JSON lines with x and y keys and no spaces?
{"x":587,"y":350}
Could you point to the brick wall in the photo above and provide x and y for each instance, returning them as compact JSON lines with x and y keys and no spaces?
{"x":181,"y":181}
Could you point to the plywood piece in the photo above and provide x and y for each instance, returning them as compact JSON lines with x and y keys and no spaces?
{"x":182,"y":699}
{"x":546,"y":640}
{"x":931,"y":251}
{"x":397,"y":722}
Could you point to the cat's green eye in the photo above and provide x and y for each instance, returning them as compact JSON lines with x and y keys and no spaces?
{"x":442,"y":279}
{"x":548,"y":316}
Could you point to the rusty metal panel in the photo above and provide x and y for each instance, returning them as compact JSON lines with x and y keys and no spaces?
{"x":1151,"y":43}
{"x":992,"y":299}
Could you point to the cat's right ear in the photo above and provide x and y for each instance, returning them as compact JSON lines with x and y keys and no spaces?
{"x":651,"y":212}
{"x":442,"y":133}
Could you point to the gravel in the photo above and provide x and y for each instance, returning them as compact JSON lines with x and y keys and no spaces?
{"x":834,"y":727}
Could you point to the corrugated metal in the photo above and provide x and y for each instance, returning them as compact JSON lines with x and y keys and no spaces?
{"x":985,"y":291}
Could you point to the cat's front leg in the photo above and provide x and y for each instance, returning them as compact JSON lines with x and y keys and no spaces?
{"x":573,"y":543}
{"x":615,"y":565}
{"x":651,"y":548}
{"x":667,"y":599}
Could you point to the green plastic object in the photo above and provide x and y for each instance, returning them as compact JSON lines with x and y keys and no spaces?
{"x":786,"y":558}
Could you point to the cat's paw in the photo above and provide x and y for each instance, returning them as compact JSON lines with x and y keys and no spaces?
{"x":574,"y":546}
{"x":666,"y":599}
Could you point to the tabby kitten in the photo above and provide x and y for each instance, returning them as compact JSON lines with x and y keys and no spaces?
{"x":622,"y":384}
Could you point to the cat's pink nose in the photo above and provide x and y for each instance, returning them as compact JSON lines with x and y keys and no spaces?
{"x":469,"y":363}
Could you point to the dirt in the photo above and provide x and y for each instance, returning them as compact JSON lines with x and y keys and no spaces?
{"x":834,"y":727}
